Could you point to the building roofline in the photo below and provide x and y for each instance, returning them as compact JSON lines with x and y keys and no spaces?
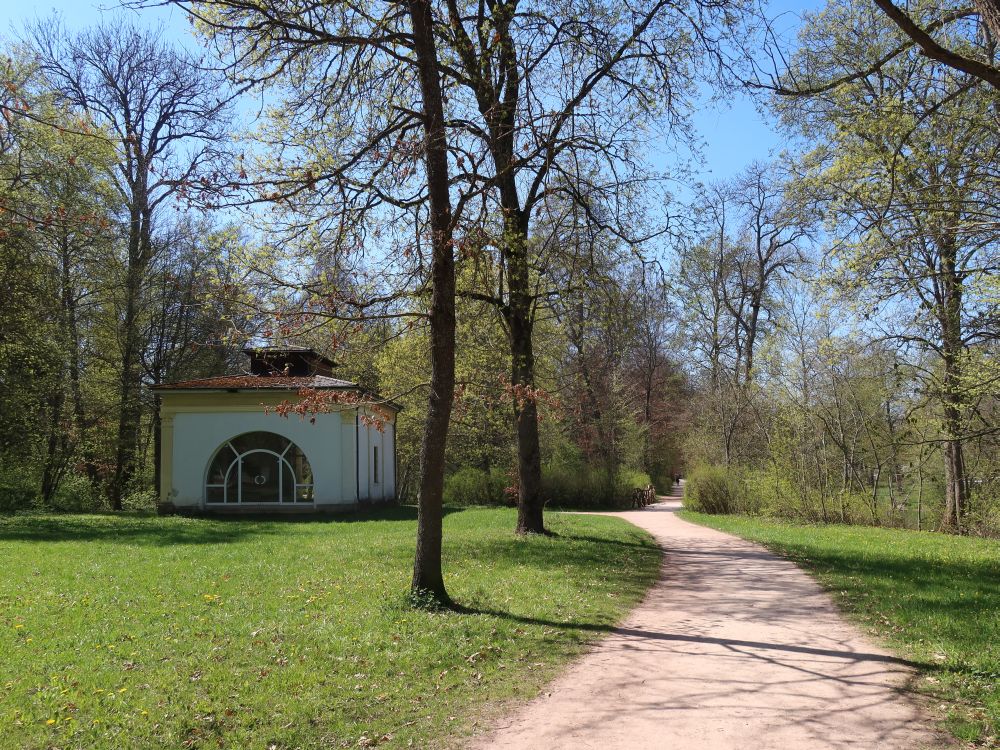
{"x":269,"y":384}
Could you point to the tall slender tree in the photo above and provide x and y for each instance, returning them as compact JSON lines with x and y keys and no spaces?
{"x":361,"y":107}
{"x":905,"y":164}
{"x":557,"y":103}
{"x":165,"y":117}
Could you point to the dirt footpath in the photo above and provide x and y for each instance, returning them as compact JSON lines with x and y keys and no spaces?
{"x":733,"y":648}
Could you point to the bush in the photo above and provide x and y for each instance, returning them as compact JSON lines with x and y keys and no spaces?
{"x":714,"y":489}
{"x":18,"y":491}
{"x":76,"y":494}
{"x":140,"y":500}
{"x":580,"y":486}
{"x":471,"y":486}
{"x":563,"y":485}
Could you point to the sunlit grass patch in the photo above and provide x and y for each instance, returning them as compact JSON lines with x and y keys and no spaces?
{"x":171,"y":632}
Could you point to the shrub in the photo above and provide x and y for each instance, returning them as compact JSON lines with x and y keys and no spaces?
{"x":714,"y":489}
{"x":76,"y":494}
{"x":984,"y":511}
{"x":17,"y":490}
{"x":563,"y":485}
{"x":580,"y":486}
{"x":140,"y":500}
{"x":471,"y":486}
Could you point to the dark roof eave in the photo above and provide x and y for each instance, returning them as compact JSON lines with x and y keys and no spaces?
{"x":374,"y":398}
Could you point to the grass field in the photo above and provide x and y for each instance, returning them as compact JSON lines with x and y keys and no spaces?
{"x":933,"y":598}
{"x":132,"y":632}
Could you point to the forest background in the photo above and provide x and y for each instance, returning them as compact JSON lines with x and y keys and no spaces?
{"x":784,"y":289}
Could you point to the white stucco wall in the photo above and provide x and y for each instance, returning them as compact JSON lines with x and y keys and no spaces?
{"x":329,"y":445}
{"x":370,"y":437}
{"x":338,"y":445}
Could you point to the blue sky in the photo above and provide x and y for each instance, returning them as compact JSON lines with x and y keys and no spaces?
{"x":734,"y":133}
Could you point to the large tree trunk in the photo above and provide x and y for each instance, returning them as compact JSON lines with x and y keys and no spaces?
{"x":530,"y":506}
{"x":989,"y":12}
{"x":428,"y":581}
{"x":520,"y":329}
{"x":956,"y":486}
{"x":57,"y":447}
{"x":954,"y":407}
{"x":130,"y":409}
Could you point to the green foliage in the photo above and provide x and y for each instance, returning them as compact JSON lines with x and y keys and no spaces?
{"x":934,"y":598}
{"x":471,"y":486}
{"x":584,"y":486}
{"x":18,"y":487}
{"x":984,"y":517}
{"x":712,"y":488}
{"x":563,"y":486}
{"x":120,"y":631}
{"x":141,"y":500}
{"x":76,"y":494}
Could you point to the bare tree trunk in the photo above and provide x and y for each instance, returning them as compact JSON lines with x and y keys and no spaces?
{"x":950,"y":318}
{"x":130,"y":409}
{"x":428,"y":580}
{"x":920,"y":490}
{"x":874,"y":503}
{"x":530,"y":506}
{"x":55,"y":449}
{"x":956,"y":490}
{"x":989,"y":12}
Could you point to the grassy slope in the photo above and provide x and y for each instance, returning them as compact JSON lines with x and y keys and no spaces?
{"x":933,"y":598}
{"x":170,"y":632}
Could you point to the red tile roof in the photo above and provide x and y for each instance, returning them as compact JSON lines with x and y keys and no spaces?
{"x":257,"y":382}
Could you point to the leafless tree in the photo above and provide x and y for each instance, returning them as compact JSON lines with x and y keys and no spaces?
{"x":166,"y":120}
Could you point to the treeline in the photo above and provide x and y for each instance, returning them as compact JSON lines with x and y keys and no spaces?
{"x":608,"y":388}
{"x":843,"y":305}
{"x":107,"y":275}
{"x":460,"y":210}
{"x":120,"y":274}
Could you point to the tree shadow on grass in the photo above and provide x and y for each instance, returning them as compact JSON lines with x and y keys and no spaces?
{"x":129,"y":529}
{"x":593,"y":627}
{"x":617,"y":542}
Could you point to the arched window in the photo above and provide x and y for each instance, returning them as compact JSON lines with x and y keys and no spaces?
{"x":259,"y":467}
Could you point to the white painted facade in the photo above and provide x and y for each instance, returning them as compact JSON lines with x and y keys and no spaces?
{"x":340,"y":447}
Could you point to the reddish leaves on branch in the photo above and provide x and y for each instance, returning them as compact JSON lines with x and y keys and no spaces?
{"x":312,"y":402}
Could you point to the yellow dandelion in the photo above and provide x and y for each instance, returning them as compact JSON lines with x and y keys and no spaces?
{"x":18,"y":626}
{"x":50,"y":722}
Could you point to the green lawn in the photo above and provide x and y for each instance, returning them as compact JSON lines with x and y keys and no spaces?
{"x":130,"y":632}
{"x":933,"y":598}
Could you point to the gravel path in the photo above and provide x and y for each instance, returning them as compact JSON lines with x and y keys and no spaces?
{"x":732,"y":648}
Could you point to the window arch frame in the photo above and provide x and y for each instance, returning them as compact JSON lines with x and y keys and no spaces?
{"x":282,"y":461}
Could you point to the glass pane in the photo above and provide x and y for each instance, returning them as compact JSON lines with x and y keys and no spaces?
{"x":259,"y":477}
{"x":232,"y":482}
{"x":246,"y":464}
{"x":255,"y":441}
{"x":303,"y":473}
{"x":287,"y":483}
{"x":217,"y":471}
